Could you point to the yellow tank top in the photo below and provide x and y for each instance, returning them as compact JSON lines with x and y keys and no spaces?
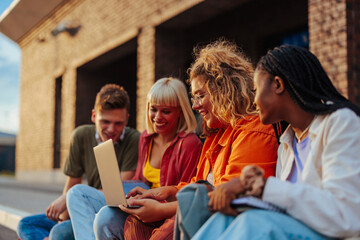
{"x":150,"y":173}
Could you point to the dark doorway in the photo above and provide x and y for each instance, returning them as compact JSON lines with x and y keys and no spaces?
{"x":255,"y":25}
{"x":57,"y":124}
{"x":7,"y":153}
{"x":117,"y":66}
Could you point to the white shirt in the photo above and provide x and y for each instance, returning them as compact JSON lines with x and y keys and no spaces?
{"x":328,"y":199}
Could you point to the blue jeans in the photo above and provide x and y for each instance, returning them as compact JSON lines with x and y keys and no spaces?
{"x":109,"y":223}
{"x":39,"y":226}
{"x":83,"y":202}
{"x":256,"y":224}
{"x":191,"y":199}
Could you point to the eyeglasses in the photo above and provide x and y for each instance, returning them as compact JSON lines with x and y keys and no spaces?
{"x":198,"y":98}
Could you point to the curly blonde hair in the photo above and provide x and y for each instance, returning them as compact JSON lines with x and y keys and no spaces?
{"x":228,"y":79}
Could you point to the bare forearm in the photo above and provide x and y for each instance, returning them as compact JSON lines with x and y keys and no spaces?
{"x":169,"y":209}
{"x":70,"y":182}
{"x":165,"y":211}
{"x":127,"y":175}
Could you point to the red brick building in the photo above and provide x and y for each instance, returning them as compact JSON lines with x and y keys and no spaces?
{"x":70,"y":48}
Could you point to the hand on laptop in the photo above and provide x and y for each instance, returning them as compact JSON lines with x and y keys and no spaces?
{"x":166,"y":193}
{"x":135,"y":191}
{"x":148,"y":206}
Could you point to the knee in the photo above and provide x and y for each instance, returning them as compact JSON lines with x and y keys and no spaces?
{"x":193,"y":194}
{"x":24,"y":223}
{"x":29,"y":222}
{"x":34,"y":224}
{"x":62,"y":231}
{"x":109,"y":220}
{"x":103,"y":218}
{"x":79,"y":189}
{"x":76,"y":191}
{"x":101,"y":221}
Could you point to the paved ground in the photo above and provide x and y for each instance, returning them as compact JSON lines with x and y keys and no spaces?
{"x":7,"y":234}
{"x":26,"y":199}
{"x":19,"y":199}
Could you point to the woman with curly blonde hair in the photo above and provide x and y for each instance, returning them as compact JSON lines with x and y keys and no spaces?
{"x":221,"y":87}
{"x":228,"y":77}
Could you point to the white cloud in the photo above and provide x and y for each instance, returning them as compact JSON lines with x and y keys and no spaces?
{"x":9,"y":121}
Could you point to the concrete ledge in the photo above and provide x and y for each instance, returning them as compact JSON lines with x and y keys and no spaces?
{"x":41,"y":176}
{"x":10,"y":217}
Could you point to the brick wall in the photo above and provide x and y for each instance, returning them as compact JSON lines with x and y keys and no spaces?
{"x":334,"y":30}
{"x":146,"y":71}
{"x":45,"y":57}
{"x":328,"y":39}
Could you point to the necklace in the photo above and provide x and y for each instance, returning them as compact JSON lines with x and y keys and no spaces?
{"x":303,"y":134}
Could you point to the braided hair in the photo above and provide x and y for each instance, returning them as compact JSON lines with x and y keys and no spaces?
{"x":305,"y":79}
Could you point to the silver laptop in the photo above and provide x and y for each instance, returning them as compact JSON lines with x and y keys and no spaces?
{"x":110,"y":174}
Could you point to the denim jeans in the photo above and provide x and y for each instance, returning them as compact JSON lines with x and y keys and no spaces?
{"x":83,"y":202}
{"x":256,"y":224}
{"x":39,"y":226}
{"x":191,"y":199}
{"x":109,"y":223}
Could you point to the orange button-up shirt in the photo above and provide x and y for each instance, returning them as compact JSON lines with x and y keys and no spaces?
{"x":228,"y":151}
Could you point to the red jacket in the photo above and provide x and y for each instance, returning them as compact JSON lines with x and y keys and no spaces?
{"x":179,"y":161}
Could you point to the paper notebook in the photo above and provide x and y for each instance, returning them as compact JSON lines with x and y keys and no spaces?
{"x":248,"y":202}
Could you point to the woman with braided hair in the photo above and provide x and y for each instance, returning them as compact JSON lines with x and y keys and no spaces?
{"x":318,"y":169}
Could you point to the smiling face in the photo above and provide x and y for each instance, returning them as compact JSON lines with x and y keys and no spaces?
{"x":110,"y":123}
{"x":202,"y":104}
{"x":164,"y":119}
{"x":266,"y":98}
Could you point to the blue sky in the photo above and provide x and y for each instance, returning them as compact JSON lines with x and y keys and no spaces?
{"x":10,"y":57}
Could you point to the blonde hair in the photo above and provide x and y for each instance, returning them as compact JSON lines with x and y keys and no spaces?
{"x":228,"y":78}
{"x":171,"y":92}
